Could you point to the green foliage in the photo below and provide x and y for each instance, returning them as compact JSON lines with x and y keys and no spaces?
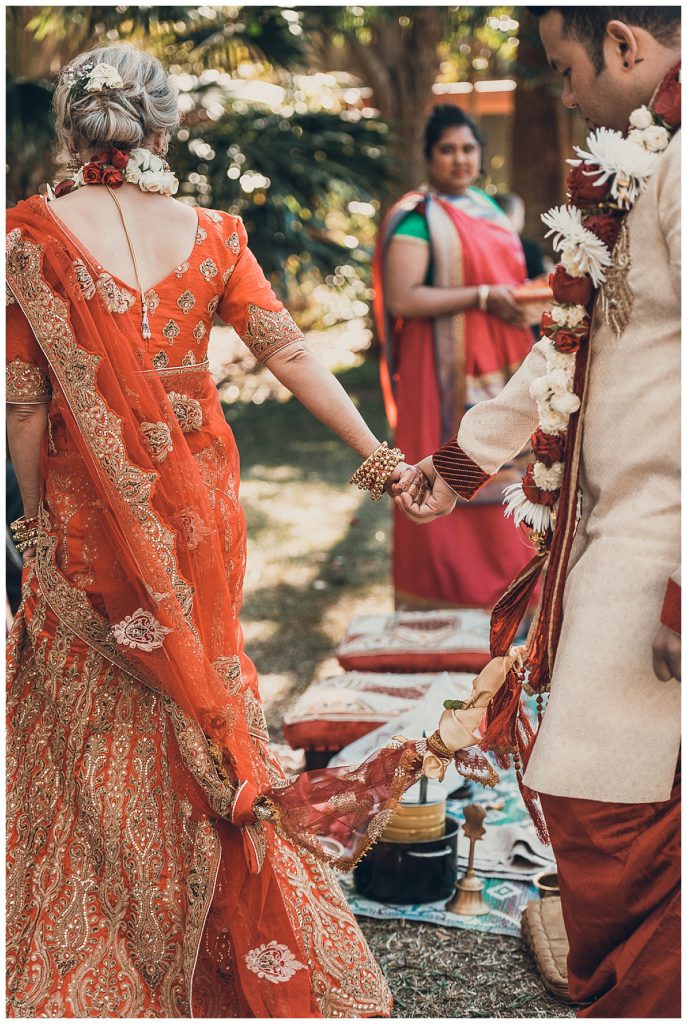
{"x":291,"y":179}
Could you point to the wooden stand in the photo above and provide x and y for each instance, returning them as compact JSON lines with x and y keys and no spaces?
{"x":468,"y":900}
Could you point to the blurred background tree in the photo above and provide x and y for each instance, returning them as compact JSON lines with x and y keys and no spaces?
{"x":308,"y":121}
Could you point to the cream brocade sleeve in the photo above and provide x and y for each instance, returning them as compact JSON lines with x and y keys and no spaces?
{"x":493,"y":432}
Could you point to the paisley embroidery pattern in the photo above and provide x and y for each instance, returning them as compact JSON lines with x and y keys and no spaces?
{"x":188,"y":411}
{"x":199,"y":331}
{"x":273,"y":961}
{"x":213,"y":304}
{"x":84,"y":280}
{"x":186,"y":301}
{"x":201,"y":235}
{"x":159,"y":439}
{"x":117,"y":299}
{"x":140,"y":630}
{"x":152,"y":300}
{"x":234,"y":243}
{"x":208,"y":269}
{"x":182,"y":269}
{"x":189,"y":359}
{"x":160,"y":360}
{"x":171,"y":331}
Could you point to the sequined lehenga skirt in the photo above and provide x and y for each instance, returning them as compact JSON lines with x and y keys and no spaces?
{"x":111,"y":879}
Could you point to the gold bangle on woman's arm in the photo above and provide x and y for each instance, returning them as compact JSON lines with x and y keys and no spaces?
{"x":24,"y":533}
{"x":377,"y":469}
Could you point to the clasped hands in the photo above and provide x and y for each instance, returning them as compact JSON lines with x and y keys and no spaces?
{"x":420,"y":493}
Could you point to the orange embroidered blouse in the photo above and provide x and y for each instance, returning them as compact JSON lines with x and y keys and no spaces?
{"x":220,"y":275}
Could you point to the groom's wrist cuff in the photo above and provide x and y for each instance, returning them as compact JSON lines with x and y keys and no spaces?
{"x":671,"y":611}
{"x":458,"y":470}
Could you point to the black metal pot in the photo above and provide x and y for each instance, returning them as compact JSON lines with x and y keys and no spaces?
{"x":416,"y":872}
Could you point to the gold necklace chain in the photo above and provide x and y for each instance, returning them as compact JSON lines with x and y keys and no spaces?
{"x":145,"y":322}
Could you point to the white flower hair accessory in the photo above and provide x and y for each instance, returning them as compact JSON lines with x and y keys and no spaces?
{"x":92,"y":77}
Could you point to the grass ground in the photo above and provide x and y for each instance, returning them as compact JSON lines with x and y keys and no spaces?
{"x":319,"y":553}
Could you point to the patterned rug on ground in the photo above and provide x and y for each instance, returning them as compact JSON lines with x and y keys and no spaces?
{"x":507,"y":897}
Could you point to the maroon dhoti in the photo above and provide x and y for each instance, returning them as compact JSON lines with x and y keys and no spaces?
{"x":619,"y":874}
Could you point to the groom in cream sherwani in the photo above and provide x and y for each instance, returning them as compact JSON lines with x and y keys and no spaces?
{"x":606,"y":760}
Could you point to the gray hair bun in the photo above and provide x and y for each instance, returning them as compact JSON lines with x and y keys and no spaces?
{"x":127,"y":118}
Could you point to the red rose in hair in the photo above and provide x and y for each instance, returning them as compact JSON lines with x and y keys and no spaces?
{"x":119,"y":159}
{"x":576,"y":290}
{"x":605,"y":227}
{"x":668,"y":98}
{"x":534,"y":493}
{"x":548,"y":448}
{"x":64,"y":187}
{"x":92,"y":174}
{"x":567,"y":341}
{"x":112,"y":177}
{"x":582,"y":191}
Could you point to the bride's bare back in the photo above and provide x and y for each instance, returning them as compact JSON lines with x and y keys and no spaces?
{"x":162,"y":231}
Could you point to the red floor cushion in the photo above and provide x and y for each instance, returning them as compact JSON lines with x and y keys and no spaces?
{"x":436,"y":641}
{"x":334,"y":712}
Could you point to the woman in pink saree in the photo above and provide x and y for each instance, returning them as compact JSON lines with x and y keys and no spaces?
{"x":452,"y":335}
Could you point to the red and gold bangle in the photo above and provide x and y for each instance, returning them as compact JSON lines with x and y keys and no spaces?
{"x":376,"y":470}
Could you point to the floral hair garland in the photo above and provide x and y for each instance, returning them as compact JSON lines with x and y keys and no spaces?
{"x":603,"y":186}
{"x":91,"y":77}
{"x":115,"y":166}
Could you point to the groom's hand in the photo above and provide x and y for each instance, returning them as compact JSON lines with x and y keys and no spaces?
{"x":438,"y":501}
{"x":666,"y":652}
{"x":408,"y":479}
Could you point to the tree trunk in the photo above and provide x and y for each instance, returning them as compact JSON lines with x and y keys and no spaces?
{"x":540,"y":132}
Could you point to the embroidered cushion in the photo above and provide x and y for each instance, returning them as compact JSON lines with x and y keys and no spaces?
{"x":339,"y":710}
{"x":436,"y":641}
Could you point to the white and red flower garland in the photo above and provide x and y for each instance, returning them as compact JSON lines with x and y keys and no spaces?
{"x":114,"y":166}
{"x":603,"y":186}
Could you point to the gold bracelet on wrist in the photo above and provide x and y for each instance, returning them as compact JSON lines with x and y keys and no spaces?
{"x":24,"y":533}
{"x":376,"y":470}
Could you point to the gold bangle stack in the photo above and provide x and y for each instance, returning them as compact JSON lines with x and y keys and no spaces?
{"x":376,"y":470}
{"x":24,"y":533}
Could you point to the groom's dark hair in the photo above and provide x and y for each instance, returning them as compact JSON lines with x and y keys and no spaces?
{"x":588,"y":24}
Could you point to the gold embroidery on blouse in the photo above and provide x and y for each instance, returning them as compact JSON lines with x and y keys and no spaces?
{"x":140,"y":630}
{"x":616,"y":297}
{"x":181,"y":270}
{"x":213,"y":304}
{"x":152,"y":300}
{"x":84,"y":280}
{"x":117,"y":300}
{"x":26,"y":383}
{"x":234,"y":243}
{"x":160,"y":360}
{"x":159,"y":439}
{"x":214,"y":216}
{"x":229,"y":671}
{"x":208,"y":269}
{"x":170,"y":331}
{"x":199,"y":331}
{"x":201,"y":235}
{"x":189,"y":359}
{"x":228,"y":272}
{"x":188,"y":411}
{"x":9,"y":297}
{"x":186,"y":301}
{"x":268,"y":330}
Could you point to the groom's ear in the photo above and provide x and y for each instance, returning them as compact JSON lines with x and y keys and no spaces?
{"x":620,"y":46}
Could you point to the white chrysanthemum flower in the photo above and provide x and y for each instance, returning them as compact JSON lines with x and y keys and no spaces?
{"x":581,"y":251}
{"x":621,"y":162}
{"x":656,"y":138}
{"x":548,"y":478}
{"x":564,"y":402}
{"x":103,"y":76}
{"x":539,"y":389}
{"x":558,"y":381}
{"x":641,"y":118}
{"x":566,"y":315}
{"x":537,"y":517}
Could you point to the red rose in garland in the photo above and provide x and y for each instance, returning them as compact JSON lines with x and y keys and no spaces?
{"x":568,"y":341}
{"x":548,"y":448}
{"x":119,"y":159}
{"x":112,"y":177}
{"x":582,"y":190}
{"x":536,"y":494}
{"x":668,"y":99}
{"x":605,"y":226}
{"x":92,"y":174}
{"x":63,"y":188}
{"x":575,"y":290}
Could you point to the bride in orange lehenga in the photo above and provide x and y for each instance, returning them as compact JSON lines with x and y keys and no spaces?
{"x":159,"y":862}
